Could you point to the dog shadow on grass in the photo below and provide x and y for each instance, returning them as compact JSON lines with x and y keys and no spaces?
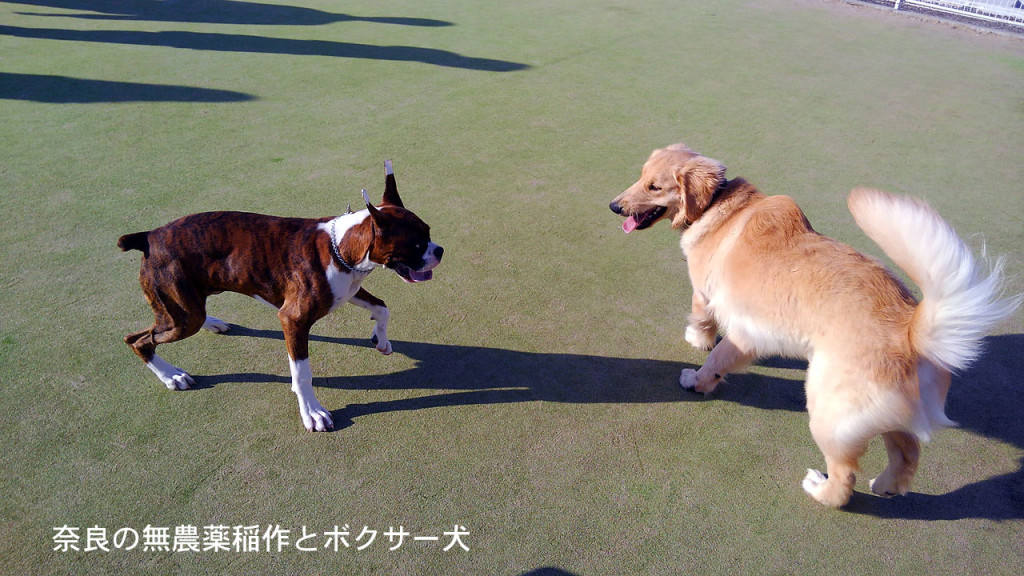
{"x":986,"y":400}
{"x":478,"y":375}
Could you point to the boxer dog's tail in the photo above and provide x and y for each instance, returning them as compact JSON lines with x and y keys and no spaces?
{"x":137,"y":241}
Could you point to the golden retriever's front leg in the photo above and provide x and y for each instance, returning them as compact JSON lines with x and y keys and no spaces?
{"x":702,"y":328}
{"x":725,"y":358}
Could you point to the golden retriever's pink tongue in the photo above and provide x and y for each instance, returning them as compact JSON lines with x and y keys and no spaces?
{"x":630,"y":224}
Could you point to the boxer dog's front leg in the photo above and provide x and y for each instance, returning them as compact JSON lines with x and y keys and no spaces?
{"x":378,"y":311}
{"x":296,"y":336}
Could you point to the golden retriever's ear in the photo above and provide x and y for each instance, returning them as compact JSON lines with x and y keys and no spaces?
{"x":698,"y":179}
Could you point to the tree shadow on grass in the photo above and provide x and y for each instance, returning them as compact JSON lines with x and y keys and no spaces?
{"x":267,"y":45}
{"x":66,"y":90}
{"x":213,"y":12}
{"x":986,"y":401}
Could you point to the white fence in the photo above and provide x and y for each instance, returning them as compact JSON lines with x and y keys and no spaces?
{"x":1005,"y":11}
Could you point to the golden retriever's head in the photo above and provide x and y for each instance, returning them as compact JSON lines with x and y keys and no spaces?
{"x":676,"y":183}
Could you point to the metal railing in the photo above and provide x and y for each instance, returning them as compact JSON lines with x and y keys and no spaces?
{"x":1004,"y":11}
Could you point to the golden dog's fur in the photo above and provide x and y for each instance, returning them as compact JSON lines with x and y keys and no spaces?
{"x":879,"y":361}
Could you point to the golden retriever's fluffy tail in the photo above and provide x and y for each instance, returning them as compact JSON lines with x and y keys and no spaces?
{"x":960,"y":303}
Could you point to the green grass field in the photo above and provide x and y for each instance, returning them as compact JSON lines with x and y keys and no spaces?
{"x":532,"y":396}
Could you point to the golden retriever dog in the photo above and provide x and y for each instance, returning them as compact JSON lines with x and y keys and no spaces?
{"x":879,"y":360}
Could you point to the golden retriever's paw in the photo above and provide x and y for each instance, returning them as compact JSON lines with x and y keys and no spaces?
{"x":699,"y":339}
{"x":827,"y":491}
{"x":886,"y":487}
{"x":688,"y":379}
{"x":814,"y":481}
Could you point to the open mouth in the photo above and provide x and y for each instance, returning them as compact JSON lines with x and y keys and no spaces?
{"x":643,"y":219}
{"x":412,"y":276}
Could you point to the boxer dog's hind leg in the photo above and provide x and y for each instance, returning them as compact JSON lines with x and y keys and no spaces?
{"x":179,"y":312}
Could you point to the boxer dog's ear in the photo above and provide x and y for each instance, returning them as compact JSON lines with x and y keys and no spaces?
{"x":391,"y":187}
{"x":374,"y":212}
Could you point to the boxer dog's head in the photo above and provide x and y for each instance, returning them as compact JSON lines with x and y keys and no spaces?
{"x":401,"y":240}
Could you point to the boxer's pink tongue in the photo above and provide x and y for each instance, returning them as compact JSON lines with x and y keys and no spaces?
{"x":630,"y":224}
{"x":422,"y":276}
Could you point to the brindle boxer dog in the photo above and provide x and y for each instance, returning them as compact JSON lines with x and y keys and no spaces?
{"x":305,"y":268}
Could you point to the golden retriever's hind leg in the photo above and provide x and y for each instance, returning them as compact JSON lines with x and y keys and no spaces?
{"x":904,"y":451}
{"x":725,"y":358}
{"x":834,"y":488}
